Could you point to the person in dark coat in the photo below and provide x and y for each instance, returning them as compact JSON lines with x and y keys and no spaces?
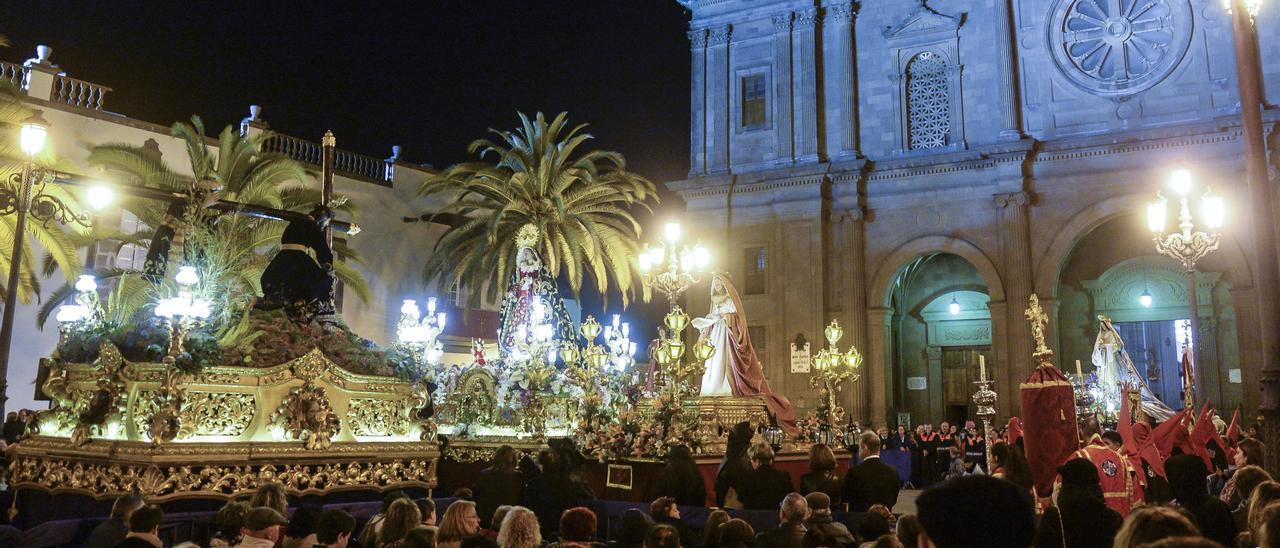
{"x":498,"y":485}
{"x":1081,"y":517}
{"x":900,"y":440}
{"x":764,"y":486}
{"x":295,"y":281}
{"x":735,"y":465}
{"x":1187,"y":479}
{"x":822,"y":477}
{"x":109,"y":533}
{"x":144,"y":528}
{"x":549,"y":494}
{"x":681,"y":480}
{"x":871,"y":481}
{"x":821,"y":522}
{"x":176,"y":217}
{"x":13,"y":428}
{"x":791,"y":530}
{"x":665,"y":510}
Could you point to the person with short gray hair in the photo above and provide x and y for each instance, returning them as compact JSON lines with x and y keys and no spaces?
{"x":791,"y":531}
{"x":871,"y":481}
{"x":764,"y":486}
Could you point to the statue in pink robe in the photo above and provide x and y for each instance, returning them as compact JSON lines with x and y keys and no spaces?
{"x":734,"y":369}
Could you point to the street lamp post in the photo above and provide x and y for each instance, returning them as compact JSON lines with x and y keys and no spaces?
{"x":25,"y":196}
{"x":1187,"y":246}
{"x":669,"y":270}
{"x":1261,"y":204}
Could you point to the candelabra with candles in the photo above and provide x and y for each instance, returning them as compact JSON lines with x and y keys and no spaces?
{"x":85,"y":312}
{"x":181,"y":313}
{"x":676,"y":371}
{"x":533,"y":357}
{"x":672,"y":271}
{"x":985,"y":399}
{"x":421,"y":334}
{"x":617,"y":338}
{"x":1188,"y":245}
{"x":831,"y":368}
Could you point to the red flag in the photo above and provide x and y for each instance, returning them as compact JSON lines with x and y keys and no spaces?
{"x":1198,"y":441}
{"x":1050,"y":436}
{"x":1233,"y":430}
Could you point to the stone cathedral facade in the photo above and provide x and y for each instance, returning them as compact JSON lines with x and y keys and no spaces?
{"x":881,"y":162}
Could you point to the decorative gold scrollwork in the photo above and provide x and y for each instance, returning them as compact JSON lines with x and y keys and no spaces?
{"x":305,"y":414}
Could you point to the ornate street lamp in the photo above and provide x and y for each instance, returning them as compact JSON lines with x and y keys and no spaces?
{"x":676,"y":371}
{"x":1188,"y":245}
{"x":672,"y":271}
{"x":25,"y":196}
{"x":831,"y":368}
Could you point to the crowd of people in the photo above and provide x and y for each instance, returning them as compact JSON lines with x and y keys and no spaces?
{"x":1099,"y":498}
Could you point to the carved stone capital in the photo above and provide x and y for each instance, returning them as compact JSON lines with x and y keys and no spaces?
{"x":842,"y":12}
{"x":698,"y":38}
{"x":1012,"y":198}
{"x":808,"y":18}
{"x":720,"y":36}
{"x":934,"y":352}
{"x":782,"y":23}
{"x":854,"y":214}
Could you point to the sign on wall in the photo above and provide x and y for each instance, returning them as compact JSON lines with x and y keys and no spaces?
{"x":917,"y":383}
{"x":800,"y":358}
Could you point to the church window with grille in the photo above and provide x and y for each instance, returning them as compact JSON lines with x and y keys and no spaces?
{"x":928,"y":102}
{"x":753,"y":101}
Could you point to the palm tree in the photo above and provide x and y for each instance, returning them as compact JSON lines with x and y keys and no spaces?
{"x":56,"y":240}
{"x":233,"y":250}
{"x":580,"y":202}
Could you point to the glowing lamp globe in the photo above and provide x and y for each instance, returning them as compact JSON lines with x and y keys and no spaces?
{"x":72,"y":313}
{"x":100,"y":197}
{"x":646,"y":262}
{"x":671,"y":231}
{"x":701,"y":257}
{"x":32,"y":135}
{"x":702,"y":351}
{"x":409,"y":308}
{"x":86,"y":284}
{"x":187,"y":276}
{"x":1145,"y":299}
{"x":954,"y":307}
{"x":1180,"y":180}
{"x":1215,"y":212}
{"x":1156,"y":212}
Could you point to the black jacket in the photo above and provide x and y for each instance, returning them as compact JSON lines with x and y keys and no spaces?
{"x":836,"y":531}
{"x":787,"y":535}
{"x":871,"y":482}
{"x":1082,"y":521}
{"x":826,"y":482}
{"x":763,"y":488}
{"x":733,"y":469}
{"x":549,"y":495}
{"x":496,"y":488}
{"x":688,"y":491}
{"x":688,"y":539}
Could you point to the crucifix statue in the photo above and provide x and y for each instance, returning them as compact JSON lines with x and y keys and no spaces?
{"x":1038,"y":321}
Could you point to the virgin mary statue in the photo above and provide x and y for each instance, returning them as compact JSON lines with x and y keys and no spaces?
{"x":734,"y":369}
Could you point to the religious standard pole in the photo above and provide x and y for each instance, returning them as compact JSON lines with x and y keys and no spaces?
{"x":328,"y":146}
{"x":1194,"y":339}
{"x":1248,"y":74}
{"x":11,"y":289}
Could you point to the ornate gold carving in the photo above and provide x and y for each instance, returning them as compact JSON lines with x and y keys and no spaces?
{"x":370,"y":417}
{"x":306,"y":414}
{"x":1038,"y":320}
{"x":311,"y":366}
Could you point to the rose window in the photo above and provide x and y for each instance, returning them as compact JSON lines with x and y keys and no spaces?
{"x":1119,"y":46}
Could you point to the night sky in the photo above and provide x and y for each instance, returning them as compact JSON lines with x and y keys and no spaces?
{"x":428,"y":76}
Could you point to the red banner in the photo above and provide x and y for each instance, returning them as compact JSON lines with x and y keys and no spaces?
{"x":1049,"y":428}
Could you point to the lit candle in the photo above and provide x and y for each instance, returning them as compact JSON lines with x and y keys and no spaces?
{"x":1078,"y":373}
{"x":982,"y":367}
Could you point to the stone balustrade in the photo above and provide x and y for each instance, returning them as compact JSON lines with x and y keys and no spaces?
{"x":78,"y":93}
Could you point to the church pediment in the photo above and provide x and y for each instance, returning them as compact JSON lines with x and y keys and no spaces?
{"x":924,"y":20}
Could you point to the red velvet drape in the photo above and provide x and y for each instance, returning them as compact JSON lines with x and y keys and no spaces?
{"x":1050,"y":435}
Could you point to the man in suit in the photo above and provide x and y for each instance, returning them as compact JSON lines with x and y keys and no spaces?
{"x":870,"y":482}
{"x":791,"y":530}
{"x":764,"y":486}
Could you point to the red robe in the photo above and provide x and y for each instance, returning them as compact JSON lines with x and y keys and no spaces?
{"x":1117,"y":475}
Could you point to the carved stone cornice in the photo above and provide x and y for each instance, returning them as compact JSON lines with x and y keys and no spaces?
{"x":1012,"y":198}
{"x":842,"y":12}
{"x":697,"y":38}
{"x":808,"y":19}
{"x":719,"y":36}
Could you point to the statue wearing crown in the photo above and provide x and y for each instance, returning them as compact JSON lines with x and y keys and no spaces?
{"x":530,"y":282}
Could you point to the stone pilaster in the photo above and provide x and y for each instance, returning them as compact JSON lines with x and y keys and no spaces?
{"x":1006,"y":386}
{"x":805,"y":105}
{"x":1015,"y":234}
{"x":842,"y":89}
{"x":847,"y":300}
{"x":879,"y":358}
{"x":782,"y":124}
{"x":718,"y":84}
{"x":698,"y":102}
{"x":1006,"y":54}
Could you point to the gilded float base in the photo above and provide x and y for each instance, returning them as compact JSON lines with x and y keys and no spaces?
{"x":104,"y":469}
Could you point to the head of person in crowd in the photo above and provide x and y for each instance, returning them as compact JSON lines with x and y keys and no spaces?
{"x":1186,"y":475}
{"x":1247,"y":478}
{"x":664,"y":508}
{"x":1079,"y":481}
{"x":868,"y":445}
{"x":302,"y":523}
{"x":819,"y":504}
{"x":794,"y":509}
{"x":902,"y":430}
{"x":334,"y":528}
{"x":736,"y":533}
{"x":1182,"y":542}
{"x":272,"y":495}
{"x":944,"y":428}
{"x":633,"y":526}
{"x":146,"y":520}
{"x":520,"y":529}
{"x":265,"y":523}
{"x":821,"y":458}
{"x":761,"y":455}
{"x":481,"y":541}
{"x":1113,"y":441}
{"x":1151,"y":523}
{"x":230,"y":520}
{"x":872,"y":526}
{"x":505,"y":458}
{"x":464,"y":493}
{"x":1264,"y":495}
{"x":884,"y":512}
{"x":402,"y":517}
{"x":818,"y":538}
{"x":422,"y":536}
{"x":549,"y":461}
{"x":662,"y":536}
{"x":125,"y":506}
{"x":427,"y":508}
{"x":1268,"y":534}
{"x":1250,"y":451}
{"x":928,"y":428}
{"x":1009,"y":458}
{"x":909,"y":529}
{"x":459,"y":522}
{"x":711,"y":531}
{"x":948,"y":518}
{"x":578,"y":524}
{"x":391,"y":497}
{"x":499,"y":514}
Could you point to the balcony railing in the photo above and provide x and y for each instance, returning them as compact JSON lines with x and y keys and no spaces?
{"x":78,"y":93}
{"x":13,"y":72}
{"x":346,"y":163}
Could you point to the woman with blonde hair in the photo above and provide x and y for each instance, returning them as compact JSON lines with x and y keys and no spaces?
{"x":520,"y":529}
{"x":459,"y":522}
{"x":403,"y":516}
{"x":1152,"y":523}
{"x":271,"y":495}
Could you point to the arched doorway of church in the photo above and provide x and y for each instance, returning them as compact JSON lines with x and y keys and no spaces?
{"x":940,"y":332}
{"x":1115,"y":272}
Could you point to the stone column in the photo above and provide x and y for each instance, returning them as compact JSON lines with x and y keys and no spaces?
{"x":842,"y":87}
{"x":1015,"y":246}
{"x":718,"y":82}
{"x":698,"y":102}
{"x":850,"y":299}
{"x":804,"y":59}
{"x":879,"y":361}
{"x":784,"y":133}
{"x":934,"y":395}
{"x":1006,"y":382}
{"x":1006,"y":53}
